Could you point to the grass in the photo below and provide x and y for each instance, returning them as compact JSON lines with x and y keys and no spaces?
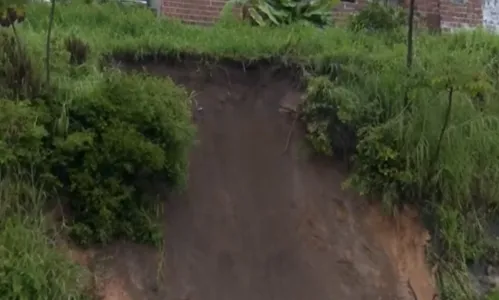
{"x":356,"y":82}
{"x":493,"y":296}
{"x":31,"y":267}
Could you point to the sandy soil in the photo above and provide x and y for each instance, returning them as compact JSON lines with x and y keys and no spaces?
{"x":261,"y":223}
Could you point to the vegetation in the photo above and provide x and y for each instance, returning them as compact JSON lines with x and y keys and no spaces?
{"x":426,"y":135}
{"x":493,"y":296}
{"x":30,"y":266}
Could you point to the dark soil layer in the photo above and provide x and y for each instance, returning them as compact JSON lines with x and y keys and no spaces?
{"x":263,"y":221}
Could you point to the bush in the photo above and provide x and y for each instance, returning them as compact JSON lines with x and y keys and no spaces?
{"x":125,"y":130}
{"x":97,"y":135}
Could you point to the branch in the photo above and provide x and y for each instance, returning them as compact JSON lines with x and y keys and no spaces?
{"x":410,"y":33}
{"x":411,"y":289}
{"x":291,"y":130}
{"x":47,"y":46}
{"x":16,"y":35}
{"x":444,"y":129}
{"x":410,"y":46}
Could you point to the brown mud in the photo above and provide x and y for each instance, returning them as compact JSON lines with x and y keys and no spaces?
{"x":262,"y":218}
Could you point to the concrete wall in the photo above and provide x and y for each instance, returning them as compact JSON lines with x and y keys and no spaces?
{"x":490,"y":11}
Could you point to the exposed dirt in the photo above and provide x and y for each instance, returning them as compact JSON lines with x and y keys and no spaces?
{"x":261,"y":223}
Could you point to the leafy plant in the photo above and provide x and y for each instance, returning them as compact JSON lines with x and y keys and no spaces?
{"x":282,"y":12}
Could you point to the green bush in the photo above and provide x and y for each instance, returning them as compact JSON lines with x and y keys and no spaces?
{"x":125,"y":130}
{"x":97,"y":136}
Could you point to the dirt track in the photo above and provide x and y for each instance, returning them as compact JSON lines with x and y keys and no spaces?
{"x":260,"y":224}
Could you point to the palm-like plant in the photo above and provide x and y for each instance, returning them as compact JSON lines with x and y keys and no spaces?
{"x":281,"y":12}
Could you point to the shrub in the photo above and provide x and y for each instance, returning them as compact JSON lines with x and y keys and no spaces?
{"x":125,"y":130}
{"x":98,"y":137}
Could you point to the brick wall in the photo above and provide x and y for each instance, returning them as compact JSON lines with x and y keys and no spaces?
{"x":344,"y":9}
{"x":434,"y":13}
{"x":193,"y":11}
{"x":490,"y":14}
{"x":461,"y":13}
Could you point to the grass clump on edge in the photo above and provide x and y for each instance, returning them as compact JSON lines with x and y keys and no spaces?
{"x":410,"y":149}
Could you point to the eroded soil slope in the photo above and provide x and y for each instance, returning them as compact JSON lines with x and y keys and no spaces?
{"x":261,"y":223}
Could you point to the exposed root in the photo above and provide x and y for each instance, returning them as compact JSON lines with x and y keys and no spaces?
{"x":291,"y":130}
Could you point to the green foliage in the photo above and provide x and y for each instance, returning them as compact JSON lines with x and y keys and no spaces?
{"x":397,"y":152}
{"x":378,"y":17}
{"x":355,"y":109}
{"x":21,"y":140}
{"x":30,"y":266}
{"x":32,"y":269}
{"x":18,"y":77}
{"x":99,"y":138}
{"x":125,"y":128}
{"x":493,"y":295}
{"x":282,"y":12}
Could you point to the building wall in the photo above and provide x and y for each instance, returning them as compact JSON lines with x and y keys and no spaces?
{"x":461,"y":13}
{"x":445,"y":14}
{"x":490,"y":12}
{"x":194,"y":11}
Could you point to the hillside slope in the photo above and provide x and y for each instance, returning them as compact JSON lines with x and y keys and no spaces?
{"x":260,"y":220}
